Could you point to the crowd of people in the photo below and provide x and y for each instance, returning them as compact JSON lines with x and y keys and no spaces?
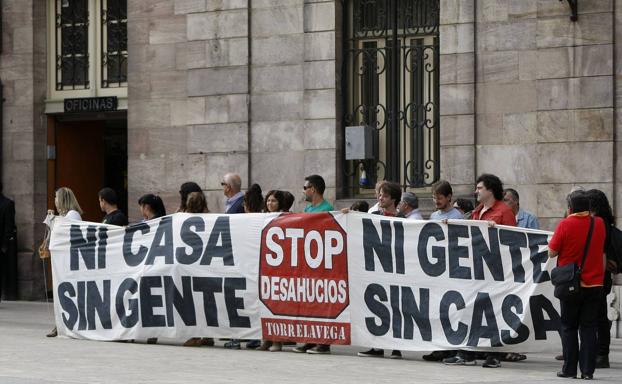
{"x":585,"y":317}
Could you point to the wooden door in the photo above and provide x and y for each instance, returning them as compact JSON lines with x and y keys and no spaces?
{"x":80,"y":163}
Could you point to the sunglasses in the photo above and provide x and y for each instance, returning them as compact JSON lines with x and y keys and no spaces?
{"x":223,"y":183}
{"x":305,"y":187}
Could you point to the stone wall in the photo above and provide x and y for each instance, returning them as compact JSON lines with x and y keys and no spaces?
{"x":544,"y":99}
{"x":204,"y":99}
{"x":23,"y":75}
{"x":457,"y":94}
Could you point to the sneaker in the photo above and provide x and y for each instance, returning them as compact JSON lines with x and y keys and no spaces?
{"x":265,"y":345}
{"x":253,"y":344}
{"x":275,"y":347}
{"x":436,"y":356}
{"x":602,"y":361}
{"x":193,"y":342}
{"x":233,"y":344}
{"x":320,"y":349}
{"x":303,"y":348}
{"x":372,"y":353}
{"x":458,"y":360}
{"x":491,"y":362}
{"x":395,"y":354}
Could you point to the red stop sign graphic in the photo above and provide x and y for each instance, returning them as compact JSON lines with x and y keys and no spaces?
{"x":303,"y":269}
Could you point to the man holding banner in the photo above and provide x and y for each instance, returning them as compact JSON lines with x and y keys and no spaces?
{"x":489,"y":192}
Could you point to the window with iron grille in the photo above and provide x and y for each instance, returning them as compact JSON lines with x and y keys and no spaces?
{"x":72,"y":44}
{"x":89,"y":44}
{"x":114,"y":43}
{"x":391,"y":83}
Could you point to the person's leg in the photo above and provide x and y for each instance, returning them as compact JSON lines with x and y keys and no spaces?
{"x":569,"y":329}
{"x":588,"y":325}
{"x":604,"y":326}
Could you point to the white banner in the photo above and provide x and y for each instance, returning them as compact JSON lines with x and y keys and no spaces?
{"x":328,"y":278}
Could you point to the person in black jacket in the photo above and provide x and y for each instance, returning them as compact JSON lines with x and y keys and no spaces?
{"x":599,"y":206}
{"x":232,"y":189}
{"x":108,"y":205}
{"x":8,"y":261}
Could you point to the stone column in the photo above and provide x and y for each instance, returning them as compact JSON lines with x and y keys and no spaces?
{"x":23,"y":74}
{"x":457,"y":94}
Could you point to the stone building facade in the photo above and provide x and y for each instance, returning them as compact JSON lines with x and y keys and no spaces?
{"x":257,"y":87}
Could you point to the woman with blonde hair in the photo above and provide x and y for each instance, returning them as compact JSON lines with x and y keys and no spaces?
{"x":67,"y":204}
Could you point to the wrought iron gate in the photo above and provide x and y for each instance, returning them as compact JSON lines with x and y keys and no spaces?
{"x":391,"y":82}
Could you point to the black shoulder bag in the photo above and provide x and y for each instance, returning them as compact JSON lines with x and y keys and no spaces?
{"x":567,"y":279}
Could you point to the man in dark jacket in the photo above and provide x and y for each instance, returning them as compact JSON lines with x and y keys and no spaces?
{"x":8,"y":268}
{"x":232,"y":189}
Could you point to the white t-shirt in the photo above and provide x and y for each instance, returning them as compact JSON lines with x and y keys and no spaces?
{"x":73,"y":215}
{"x":374,"y":208}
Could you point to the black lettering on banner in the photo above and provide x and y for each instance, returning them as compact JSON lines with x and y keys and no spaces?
{"x":163,"y":232}
{"x":510,"y":317}
{"x":95,"y":303}
{"x":375,"y":294}
{"x":184,"y":304}
{"x":134,"y":259}
{"x":81,"y":305}
{"x":66,"y":291}
{"x":456,"y":252}
{"x":396,"y":322}
{"x":373,"y":245}
{"x":82,"y":246}
{"x":538,"y":305}
{"x":482,"y":253}
{"x":483,"y":307}
{"x":127,"y":320}
{"x":436,"y":231}
{"x":535,"y":240}
{"x":222,"y":232}
{"x":235,"y":303}
{"x":515,"y":241}
{"x":208,"y":286}
{"x":148,"y":301}
{"x":101,"y":247}
{"x":454,"y":337}
{"x":419,"y":313}
{"x":189,"y":237}
{"x":399,"y":247}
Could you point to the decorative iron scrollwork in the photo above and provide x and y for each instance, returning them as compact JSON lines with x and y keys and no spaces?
{"x":391,"y":67}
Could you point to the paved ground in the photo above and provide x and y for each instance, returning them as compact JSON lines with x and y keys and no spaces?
{"x":27,"y":356}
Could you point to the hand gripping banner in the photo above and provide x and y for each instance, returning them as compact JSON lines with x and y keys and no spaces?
{"x":328,"y":278}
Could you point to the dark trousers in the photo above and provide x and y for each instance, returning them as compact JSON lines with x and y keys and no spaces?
{"x":604,"y":325}
{"x":579,"y":318}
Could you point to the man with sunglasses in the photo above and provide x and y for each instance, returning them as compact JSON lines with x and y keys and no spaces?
{"x":232,"y":186}
{"x":314,"y":194}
